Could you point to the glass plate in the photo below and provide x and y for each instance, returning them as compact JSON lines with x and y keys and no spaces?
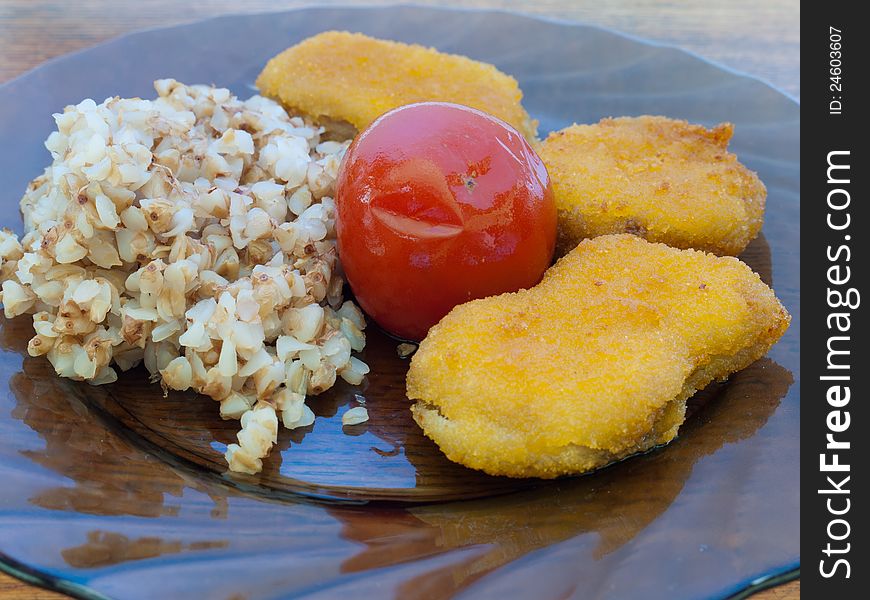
{"x":115,"y":491}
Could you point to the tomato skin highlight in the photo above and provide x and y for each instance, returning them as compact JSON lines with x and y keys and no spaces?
{"x":438,"y":204}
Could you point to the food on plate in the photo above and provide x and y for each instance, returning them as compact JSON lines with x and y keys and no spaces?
{"x":355,"y":416}
{"x":197,"y":234}
{"x":662,"y":179}
{"x":353,"y":78}
{"x":594,"y":363}
{"x":194,"y":233}
{"x":438,"y":204}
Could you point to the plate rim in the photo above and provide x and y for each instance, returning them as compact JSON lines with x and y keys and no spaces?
{"x":386,"y":7}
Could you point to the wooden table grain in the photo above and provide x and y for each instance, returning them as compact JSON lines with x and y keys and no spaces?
{"x":759,"y":38}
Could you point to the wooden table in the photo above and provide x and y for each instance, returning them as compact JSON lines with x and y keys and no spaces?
{"x":760,"y":38}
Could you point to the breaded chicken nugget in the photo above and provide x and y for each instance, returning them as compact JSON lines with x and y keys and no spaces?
{"x":594,"y":363}
{"x":664,"y":180}
{"x":355,"y":78}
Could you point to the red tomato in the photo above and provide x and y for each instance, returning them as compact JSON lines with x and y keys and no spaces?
{"x":438,"y":204}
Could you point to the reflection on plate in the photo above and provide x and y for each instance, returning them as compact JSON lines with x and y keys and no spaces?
{"x":105,"y":488}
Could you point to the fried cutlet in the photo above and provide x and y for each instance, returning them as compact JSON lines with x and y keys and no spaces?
{"x":353,"y":78}
{"x":665,"y":180}
{"x":594,"y":363}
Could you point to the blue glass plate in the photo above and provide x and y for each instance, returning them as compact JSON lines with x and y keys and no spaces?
{"x":115,"y":491}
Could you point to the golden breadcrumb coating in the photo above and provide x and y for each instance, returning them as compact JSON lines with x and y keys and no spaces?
{"x":355,"y":78}
{"x":662,"y":179}
{"x":594,"y":363}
